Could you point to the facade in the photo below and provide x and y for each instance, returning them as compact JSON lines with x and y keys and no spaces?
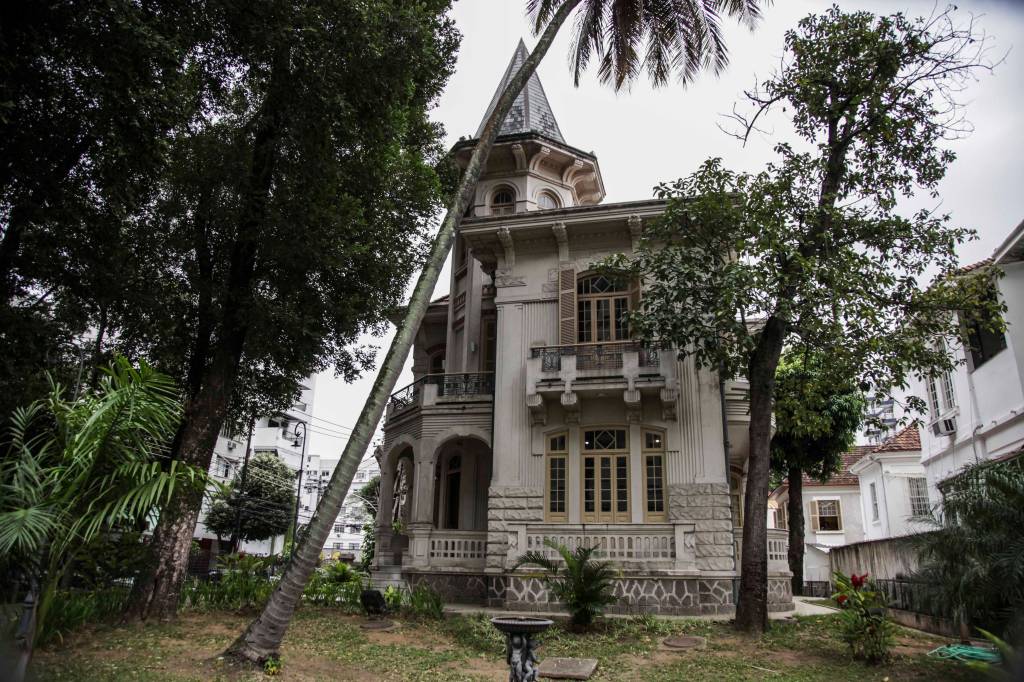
{"x":976,"y":413}
{"x":346,"y":539}
{"x":894,"y":493}
{"x":832,"y":514}
{"x":276,"y":434}
{"x":535,"y":416}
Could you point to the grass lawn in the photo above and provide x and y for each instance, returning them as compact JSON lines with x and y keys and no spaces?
{"x":324,"y":644}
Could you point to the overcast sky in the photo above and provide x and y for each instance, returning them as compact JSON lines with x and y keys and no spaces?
{"x":646,"y":136}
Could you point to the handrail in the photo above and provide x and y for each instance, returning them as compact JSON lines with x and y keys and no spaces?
{"x":600,"y":355}
{"x":455,"y":384}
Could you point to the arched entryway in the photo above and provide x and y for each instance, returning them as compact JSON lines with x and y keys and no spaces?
{"x":461,"y":479}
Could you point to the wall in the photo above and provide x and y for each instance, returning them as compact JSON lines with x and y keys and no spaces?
{"x":886,"y":559}
{"x":893,"y":490}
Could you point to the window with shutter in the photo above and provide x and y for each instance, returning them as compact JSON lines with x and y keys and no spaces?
{"x":567,"y":305}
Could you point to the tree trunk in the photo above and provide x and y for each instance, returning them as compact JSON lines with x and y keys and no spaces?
{"x":795,"y":512}
{"x":156,"y":594}
{"x":752,"y":610}
{"x":264,"y":635}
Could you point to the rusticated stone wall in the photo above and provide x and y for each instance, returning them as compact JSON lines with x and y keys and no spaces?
{"x":510,"y":505}
{"x":668,"y":596}
{"x":780,"y":594}
{"x":454,"y":588}
{"x":706,"y":506}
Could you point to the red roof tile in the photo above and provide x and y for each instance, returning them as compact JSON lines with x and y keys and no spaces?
{"x":974,"y":266}
{"x":843,"y":476}
{"x":907,"y":440}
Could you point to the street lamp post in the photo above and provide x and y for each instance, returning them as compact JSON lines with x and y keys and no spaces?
{"x":302,"y":467}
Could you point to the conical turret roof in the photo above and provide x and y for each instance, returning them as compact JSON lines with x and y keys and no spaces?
{"x":530,"y":113}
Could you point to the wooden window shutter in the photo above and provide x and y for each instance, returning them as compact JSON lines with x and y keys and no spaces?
{"x":815,"y":523}
{"x":567,"y":305}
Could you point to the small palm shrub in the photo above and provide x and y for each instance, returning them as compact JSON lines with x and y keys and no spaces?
{"x":334,"y":586}
{"x":864,"y":625}
{"x":394,"y":598}
{"x":582,"y":583}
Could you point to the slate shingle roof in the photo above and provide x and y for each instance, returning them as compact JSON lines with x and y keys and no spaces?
{"x":530,"y":112}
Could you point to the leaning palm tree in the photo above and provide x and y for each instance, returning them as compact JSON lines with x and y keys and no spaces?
{"x":626,"y":37}
{"x":74,"y":469}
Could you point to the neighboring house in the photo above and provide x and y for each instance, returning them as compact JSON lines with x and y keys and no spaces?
{"x":534,"y":415}
{"x":278,"y":434}
{"x":832,"y":513}
{"x":976,"y":413}
{"x":893,"y":487}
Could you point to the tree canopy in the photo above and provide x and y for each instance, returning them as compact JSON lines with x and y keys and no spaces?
{"x":817,"y":415}
{"x":262,"y":506}
{"x":812,"y":251}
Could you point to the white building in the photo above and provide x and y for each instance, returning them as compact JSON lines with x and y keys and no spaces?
{"x":893,"y":488}
{"x":279,"y":434}
{"x":832,"y":514}
{"x":976,"y":413}
{"x":534,"y":415}
{"x":346,"y":538}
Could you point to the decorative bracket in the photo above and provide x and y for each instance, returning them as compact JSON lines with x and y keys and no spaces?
{"x":668,"y":404}
{"x":634,"y":405}
{"x":538,"y":410}
{"x":520,"y":156}
{"x":636,"y":230}
{"x":571,"y":405}
{"x":539,"y":157}
{"x":562,"y":237}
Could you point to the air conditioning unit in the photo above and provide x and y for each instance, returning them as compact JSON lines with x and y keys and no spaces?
{"x":945,"y":426}
{"x":232,"y":445}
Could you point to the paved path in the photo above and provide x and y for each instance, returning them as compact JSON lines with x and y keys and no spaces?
{"x":803,"y":608}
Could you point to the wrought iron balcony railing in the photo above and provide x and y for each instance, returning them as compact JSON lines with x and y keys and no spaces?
{"x":448,"y":385}
{"x":596,"y":356}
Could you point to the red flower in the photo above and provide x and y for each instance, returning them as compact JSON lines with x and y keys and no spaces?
{"x":841,"y":599}
{"x":858,"y":581}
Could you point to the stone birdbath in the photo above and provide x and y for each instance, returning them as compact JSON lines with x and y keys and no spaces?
{"x":519,"y":634}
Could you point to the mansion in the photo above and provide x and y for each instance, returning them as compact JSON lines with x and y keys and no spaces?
{"x":535,"y":416}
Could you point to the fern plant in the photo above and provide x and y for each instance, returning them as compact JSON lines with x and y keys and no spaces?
{"x":584,"y":584}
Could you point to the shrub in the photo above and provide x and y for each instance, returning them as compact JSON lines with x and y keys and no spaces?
{"x":970,"y":567}
{"x":74,"y":608}
{"x":864,"y":625}
{"x":425,"y":602}
{"x":582,"y":583}
{"x":394,"y":598}
{"x":243,"y":583}
{"x":328,"y":588}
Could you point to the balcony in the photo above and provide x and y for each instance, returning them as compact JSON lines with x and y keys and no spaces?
{"x":561,"y":372}
{"x":778,"y":549}
{"x":648,"y":546}
{"x":435,"y":389}
{"x":464,"y":548}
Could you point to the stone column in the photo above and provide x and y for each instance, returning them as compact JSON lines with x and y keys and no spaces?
{"x":421,"y":521}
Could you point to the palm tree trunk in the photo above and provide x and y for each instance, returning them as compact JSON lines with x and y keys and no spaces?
{"x":264,"y":635}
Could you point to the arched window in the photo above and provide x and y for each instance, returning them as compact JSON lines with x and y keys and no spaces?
{"x":503,"y":202}
{"x":547,"y":200}
{"x":601,"y":307}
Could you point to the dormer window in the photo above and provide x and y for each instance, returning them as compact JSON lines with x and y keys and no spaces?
{"x":546,"y":201}
{"x":503,"y":202}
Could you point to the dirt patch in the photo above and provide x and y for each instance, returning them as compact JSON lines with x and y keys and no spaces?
{"x":482,"y":668}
